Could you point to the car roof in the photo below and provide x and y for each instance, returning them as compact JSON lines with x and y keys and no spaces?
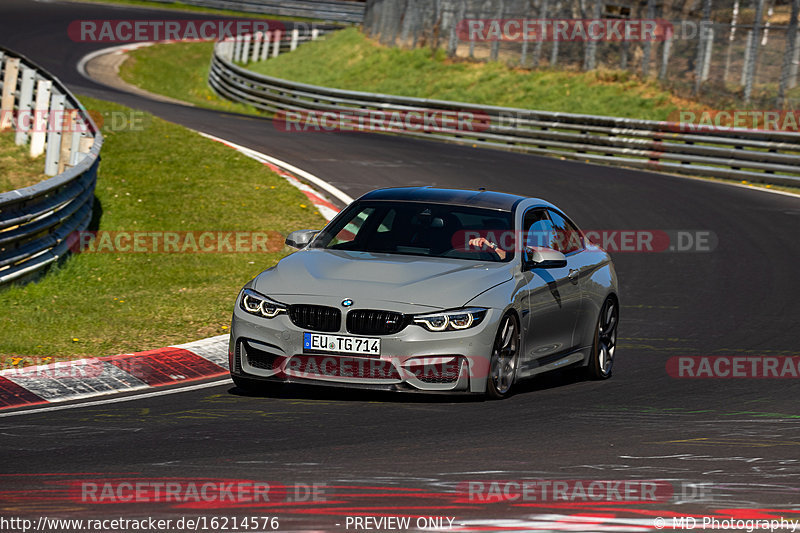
{"x":462,"y":197}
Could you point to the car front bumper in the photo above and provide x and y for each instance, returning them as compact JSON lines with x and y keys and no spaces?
{"x":415,"y":359}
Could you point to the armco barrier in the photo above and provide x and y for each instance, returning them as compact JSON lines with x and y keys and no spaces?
{"x":755,"y":155}
{"x":330,"y":10}
{"x":35,"y":221}
{"x":263,"y":45}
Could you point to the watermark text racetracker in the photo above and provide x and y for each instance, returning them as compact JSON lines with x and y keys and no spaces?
{"x":210,"y":492}
{"x":611,"y":240}
{"x":733,"y":367}
{"x":377,"y":120}
{"x":124,"y":31}
{"x":183,"y":242}
{"x":581,"y":491}
{"x":546,"y":29}
{"x":590,"y":29}
{"x":566,"y":490}
{"x":68,"y":121}
{"x":726,"y":120}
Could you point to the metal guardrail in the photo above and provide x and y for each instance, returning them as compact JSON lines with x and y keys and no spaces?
{"x":329,"y":10}
{"x":755,"y":155}
{"x":260,"y":46}
{"x":36,"y":221}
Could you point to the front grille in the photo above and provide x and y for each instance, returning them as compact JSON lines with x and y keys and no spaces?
{"x":341,"y":367}
{"x":315,"y":317}
{"x":371,"y":322}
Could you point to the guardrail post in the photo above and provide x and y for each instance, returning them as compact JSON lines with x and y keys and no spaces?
{"x":55,"y":124}
{"x":295,"y":38}
{"x":246,"y":48}
{"x":40,"y":117}
{"x":237,"y":48}
{"x":315,"y":34}
{"x":68,"y":127}
{"x":276,"y":47}
{"x":24,"y":114}
{"x":75,"y":154}
{"x":265,"y":48}
{"x":258,"y":42}
{"x":9,"y":93}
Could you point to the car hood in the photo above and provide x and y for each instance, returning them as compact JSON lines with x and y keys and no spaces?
{"x":328,"y":276}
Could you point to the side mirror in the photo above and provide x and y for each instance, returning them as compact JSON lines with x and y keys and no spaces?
{"x":537,"y":257}
{"x":299,"y":239}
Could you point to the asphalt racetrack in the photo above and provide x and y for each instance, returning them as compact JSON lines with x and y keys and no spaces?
{"x":714,"y":447}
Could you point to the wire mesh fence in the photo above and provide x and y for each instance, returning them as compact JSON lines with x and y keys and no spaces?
{"x":738,"y":49}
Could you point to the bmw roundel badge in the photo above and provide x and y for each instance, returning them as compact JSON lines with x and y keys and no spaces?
{"x":347,"y":302}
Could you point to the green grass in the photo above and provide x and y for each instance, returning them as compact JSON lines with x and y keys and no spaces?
{"x":17,"y":168}
{"x":165,"y":178}
{"x":348,"y":60}
{"x":178,"y":70}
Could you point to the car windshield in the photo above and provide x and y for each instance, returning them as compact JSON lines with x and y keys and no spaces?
{"x":431,"y":230}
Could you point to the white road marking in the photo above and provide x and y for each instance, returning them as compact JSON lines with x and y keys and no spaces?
{"x":120,"y":400}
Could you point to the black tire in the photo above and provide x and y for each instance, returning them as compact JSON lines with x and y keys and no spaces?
{"x":601,"y":362}
{"x":503,"y":362}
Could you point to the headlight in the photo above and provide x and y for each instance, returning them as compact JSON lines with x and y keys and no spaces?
{"x":456,"y":319}
{"x":259,"y":305}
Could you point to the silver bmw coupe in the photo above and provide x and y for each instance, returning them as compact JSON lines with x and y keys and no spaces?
{"x":432,"y":290}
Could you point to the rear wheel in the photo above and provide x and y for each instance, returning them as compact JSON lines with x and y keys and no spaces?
{"x":605,"y":341}
{"x":503,"y":364}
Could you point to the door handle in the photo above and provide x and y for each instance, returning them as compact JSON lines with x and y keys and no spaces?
{"x":573,"y":275}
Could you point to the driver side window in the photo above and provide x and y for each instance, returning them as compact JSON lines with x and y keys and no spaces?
{"x":567,"y":238}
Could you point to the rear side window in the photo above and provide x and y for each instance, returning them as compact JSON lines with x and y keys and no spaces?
{"x":566,"y":237}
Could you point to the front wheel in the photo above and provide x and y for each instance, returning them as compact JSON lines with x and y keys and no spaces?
{"x":503,"y":364}
{"x":605,"y":341}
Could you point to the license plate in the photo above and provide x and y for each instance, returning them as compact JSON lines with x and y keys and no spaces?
{"x":337,"y":343}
